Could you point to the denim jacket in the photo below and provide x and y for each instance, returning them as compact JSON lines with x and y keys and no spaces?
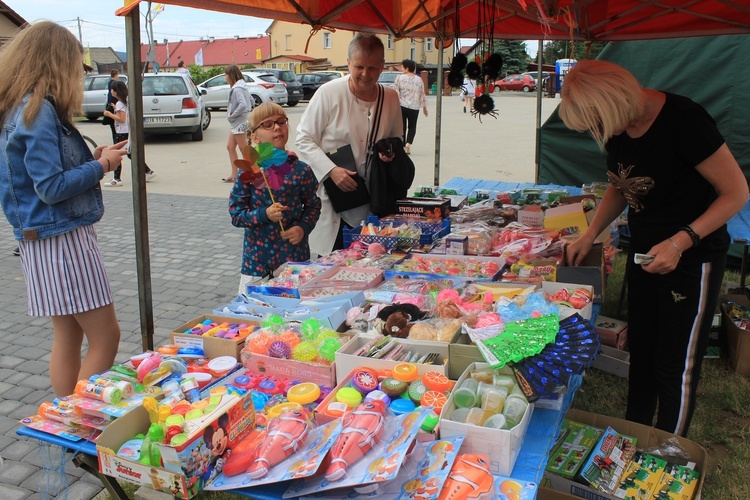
{"x":49,"y":180}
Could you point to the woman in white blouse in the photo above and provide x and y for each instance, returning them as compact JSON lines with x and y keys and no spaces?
{"x":410,"y":90}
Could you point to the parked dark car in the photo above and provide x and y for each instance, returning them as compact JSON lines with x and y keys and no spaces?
{"x":516,"y":82}
{"x":293,"y":86}
{"x":312,"y":82}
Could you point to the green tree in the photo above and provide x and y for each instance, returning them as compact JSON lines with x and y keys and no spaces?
{"x":515,"y":58}
{"x":199,"y":75}
{"x":558,"y":49}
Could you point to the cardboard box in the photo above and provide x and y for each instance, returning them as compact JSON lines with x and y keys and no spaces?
{"x":185,"y":467}
{"x":717,"y":339}
{"x":501,"y":446}
{"x":456,"y":245}
{"x":346,"y":361}
{"x":555,"y":487}
{"x":612,"y":332}
{"x":551,"y":288}
{"x":590,"y":272}
{"x":462,"y":354}
{"x":612,"y":361}
{"x":531,"y":215}
{"x":737,"y":338}
{"x":288,"y":368}
{"x":430,"y":208}
{"x":568,"y":219}
{"x":212,"y":346}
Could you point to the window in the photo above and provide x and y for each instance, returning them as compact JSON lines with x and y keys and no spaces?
{"x":413,"y":53}
{"x":215,"y":82}
{"x":287,"y":42}
{"x":100,"y":83}
{"x":327,"y":41}
{"x":389,"y":43}
{"x":428,"y":44}
{"x":412,"y":41}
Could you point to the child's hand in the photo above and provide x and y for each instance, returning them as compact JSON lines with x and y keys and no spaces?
{"x":275,"y":212}
{"x":293,"y":234}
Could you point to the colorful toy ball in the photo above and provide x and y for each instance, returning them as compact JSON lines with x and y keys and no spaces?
{"x":279,"y":349}
{"x":328,"y":348}
{"x":328,"y":334}
{"x":311,"y":328}
{"x":305,"y":351}
{"x":273,"y":321}
{"x":259,"y":344}
{"x":290,"y":338}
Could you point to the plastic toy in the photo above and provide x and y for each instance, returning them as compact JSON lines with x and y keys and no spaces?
{"x":306,"y":351}
{"x":290,"y":337}
{"x":304,"y":393}
{"x":311,"y":327}
{"x":361,"y":430}
{"x":110,"y":395}
{"x":258,"y":344}
{"x":405,"y":372}
{"x":470,"y":477}
{"x":365,"y":380}
{"x":285,"y":434}
{"x":349,"y":396}
{"x":273,"y":322}
{"x":279,"y":349}
{"x":220,"y":366}
{"x":328,"y":348}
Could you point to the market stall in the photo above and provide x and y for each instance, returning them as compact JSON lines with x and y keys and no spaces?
{"x":426,"y":345}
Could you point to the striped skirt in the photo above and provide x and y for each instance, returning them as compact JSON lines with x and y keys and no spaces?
{"x":65,"y":274}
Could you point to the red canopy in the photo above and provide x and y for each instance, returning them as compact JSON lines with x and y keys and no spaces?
{"x":595,"y":20}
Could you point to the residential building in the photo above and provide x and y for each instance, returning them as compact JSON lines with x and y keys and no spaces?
{"x":10,"y":22}
{"x":297,"y":47}
{"x":103,"y":60}
{"x":214,"y":52}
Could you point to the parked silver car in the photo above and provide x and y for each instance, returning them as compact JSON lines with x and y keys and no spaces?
{"x":173,"y":104}
{"x":95,"y":95}
{"x":263,"y":87}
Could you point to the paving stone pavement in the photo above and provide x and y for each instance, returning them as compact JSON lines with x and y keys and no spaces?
{"x":195,"y":257}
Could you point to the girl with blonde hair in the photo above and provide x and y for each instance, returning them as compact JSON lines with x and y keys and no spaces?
{"x":669,"y":164}
{"x":50,"y":194}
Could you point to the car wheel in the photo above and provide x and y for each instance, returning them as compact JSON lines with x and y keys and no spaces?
{"x":526,"y":88}
{"x":257,"y":100}
{"x":92,"y":118}
{"x":206,"y":120}
{"x":291,"y":104}
{"x":197,"y":135}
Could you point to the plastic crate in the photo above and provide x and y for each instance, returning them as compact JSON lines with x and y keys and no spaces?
{"x":431,"y":232}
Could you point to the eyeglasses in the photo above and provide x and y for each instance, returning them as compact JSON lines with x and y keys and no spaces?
{"x":269,"y":124}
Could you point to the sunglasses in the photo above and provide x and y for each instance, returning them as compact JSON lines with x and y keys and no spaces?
{"x":269,"y":124}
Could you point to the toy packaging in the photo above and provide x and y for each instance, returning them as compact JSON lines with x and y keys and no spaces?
{"x":608,"y":461}
{"x":612,"y":332}
{"x":302,"y":463}
{"x":575,"y":444}
{"x":677,"y":483}
{"x":380,"y":463}
{"x":641,"y":477}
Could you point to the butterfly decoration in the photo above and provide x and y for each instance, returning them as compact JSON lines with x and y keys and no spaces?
{"x":263,"y":165}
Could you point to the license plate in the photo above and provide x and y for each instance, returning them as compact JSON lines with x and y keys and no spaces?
{"x":158,"y":119}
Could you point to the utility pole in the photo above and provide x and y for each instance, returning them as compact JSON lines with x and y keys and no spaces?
{"x":80,"y":34}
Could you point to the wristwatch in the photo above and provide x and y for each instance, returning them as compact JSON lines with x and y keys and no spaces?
{"x":695,"y":237}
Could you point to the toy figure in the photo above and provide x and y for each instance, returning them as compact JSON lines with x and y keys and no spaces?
{"x":285,"y":434}
{"x":361,"y":430}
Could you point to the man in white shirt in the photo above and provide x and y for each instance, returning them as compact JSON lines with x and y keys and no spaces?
{"x":341,"y":113}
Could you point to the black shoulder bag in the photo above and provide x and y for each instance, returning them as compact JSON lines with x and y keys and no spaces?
{"x":344,"y":157}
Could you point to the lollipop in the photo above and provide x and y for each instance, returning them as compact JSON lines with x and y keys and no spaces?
{"x":305,"y":351}
{"x":279,"y":349}
{"x":311,"y":327}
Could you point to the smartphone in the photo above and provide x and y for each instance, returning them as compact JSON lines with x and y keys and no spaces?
{"x":643,"y":258}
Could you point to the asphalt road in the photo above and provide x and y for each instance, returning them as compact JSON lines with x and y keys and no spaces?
{"x":499,"y":148}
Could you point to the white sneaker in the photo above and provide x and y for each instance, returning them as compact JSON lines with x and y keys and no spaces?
{"x":113,"y":183}
{"x":150,"y":175}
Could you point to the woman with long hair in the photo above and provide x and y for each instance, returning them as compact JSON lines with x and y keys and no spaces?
{"x":50,"y":194}
{"x":238,"y":110}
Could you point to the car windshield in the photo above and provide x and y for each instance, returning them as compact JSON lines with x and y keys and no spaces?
{"x":388,"y":77}
{"x":164,"y":85}
{"x":287,"y":76}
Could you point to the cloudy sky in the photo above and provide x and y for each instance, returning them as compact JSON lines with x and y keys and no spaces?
{"x":100,"y":27}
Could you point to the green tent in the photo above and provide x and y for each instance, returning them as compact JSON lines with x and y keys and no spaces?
{"x":713,"y":71}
